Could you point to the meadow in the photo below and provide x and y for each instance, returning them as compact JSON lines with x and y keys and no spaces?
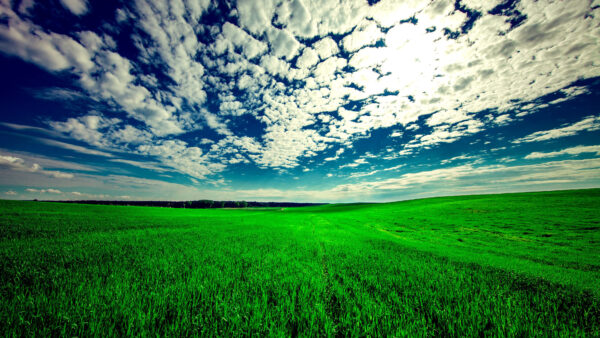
{"x":491,"y":265}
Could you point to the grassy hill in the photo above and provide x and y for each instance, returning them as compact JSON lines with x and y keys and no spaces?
{"x":511,"y":264}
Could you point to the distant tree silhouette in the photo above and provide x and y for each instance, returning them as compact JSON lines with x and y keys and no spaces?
{"x":198,"y":204}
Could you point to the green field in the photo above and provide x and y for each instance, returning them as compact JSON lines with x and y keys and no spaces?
{"x":491,"y":265}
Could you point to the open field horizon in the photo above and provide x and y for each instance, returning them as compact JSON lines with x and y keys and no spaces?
{"x":284,"y":203}
{"x":509,"y":264}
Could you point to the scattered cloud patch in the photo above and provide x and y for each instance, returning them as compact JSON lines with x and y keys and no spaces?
{"x":77,"y":7}
{"x":396,"y":167}
{"x":576,"y":170}
{"x":18,"y":164}
{"x":458,"y":158}
{"x":590,"y":123}
{"x":355,"y":163}
{"x":76,"y":148}
{"x":145,"y":165}
{"x":26,"y":128}
{"x":568,"y":151}
{"x":44,"y":191}
{"x":48,"y":162}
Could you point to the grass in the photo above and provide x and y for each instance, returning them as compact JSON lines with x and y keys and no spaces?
{"x":493,"y":265}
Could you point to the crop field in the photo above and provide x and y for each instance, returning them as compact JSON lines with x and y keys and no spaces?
{"x":490,"y":265}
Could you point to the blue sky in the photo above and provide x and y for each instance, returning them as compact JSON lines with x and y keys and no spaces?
{"x":297,"y":100}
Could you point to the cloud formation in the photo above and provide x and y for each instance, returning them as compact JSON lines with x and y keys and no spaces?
{"x":590,"y":123}
{"x":43,"y":191}
{"x":568,"y":151}
{"x":203,"y":87}
{"x":77,"y":7}
{"x":18,"y":164}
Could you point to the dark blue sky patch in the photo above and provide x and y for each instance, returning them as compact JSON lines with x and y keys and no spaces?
{"x":508,"y":9}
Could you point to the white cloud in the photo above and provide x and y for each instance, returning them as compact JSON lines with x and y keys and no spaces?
{"x":481,"y":5}
{"x":576,"y":170}
{"x":56,"y":93}
{"x":285,"y":145}
{"x":506,"y":159}
{"x":394,"y":167}
{"x":363,"y":35}
{"x":73,"y":147}
{"x":308,"y":58}
{"x":325,"y":70}
{"x":413,"y":126}
{"x":22,"y":127}
{"x":10,"y":193}
{"x":303,"y":18}
{"x":77,"y":7}
{"x":43,"y":191}
{"x":185,"y":159}
{"x":102,"y":72}
{"x":49,"y":163}
{"x":87,"y":196}
{"x":232,"y":108}
{"x":568,"y":151}
{"x":297,"y":18}
{"x":174,"y":42}
{"x":354,"y":164}
{"x":445,"y":134}
{"x":130,"y":135}
{"x":574,"y":91}
{"x":390,"y":12}
{"x":326,"y":47}
{"x":18,"y":164}
{"x":117,"y":83}
{"x":255,"y":16}
{"x":369,"y":57}
{"x":363,"y":174}
{"x":441,"y":14}
{"x":100,"y":131}
{"x":336,"y":156}
{"x":238,"y":37}
{"x":86,"y":128}
{"x":447,"y":116}
{"x":145,"y":165}
{"x":283,"y":43}
{"x":456,"y":158}
{"x":31,"y":43}
{"x":590,"y":123}
{"x":502,"y":120}
{"x":274,"y":65}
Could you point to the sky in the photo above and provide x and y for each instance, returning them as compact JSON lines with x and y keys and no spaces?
{"x":303,"y":100}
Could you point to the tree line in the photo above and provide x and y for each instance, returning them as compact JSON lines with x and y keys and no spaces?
{"x":199,"y":204}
